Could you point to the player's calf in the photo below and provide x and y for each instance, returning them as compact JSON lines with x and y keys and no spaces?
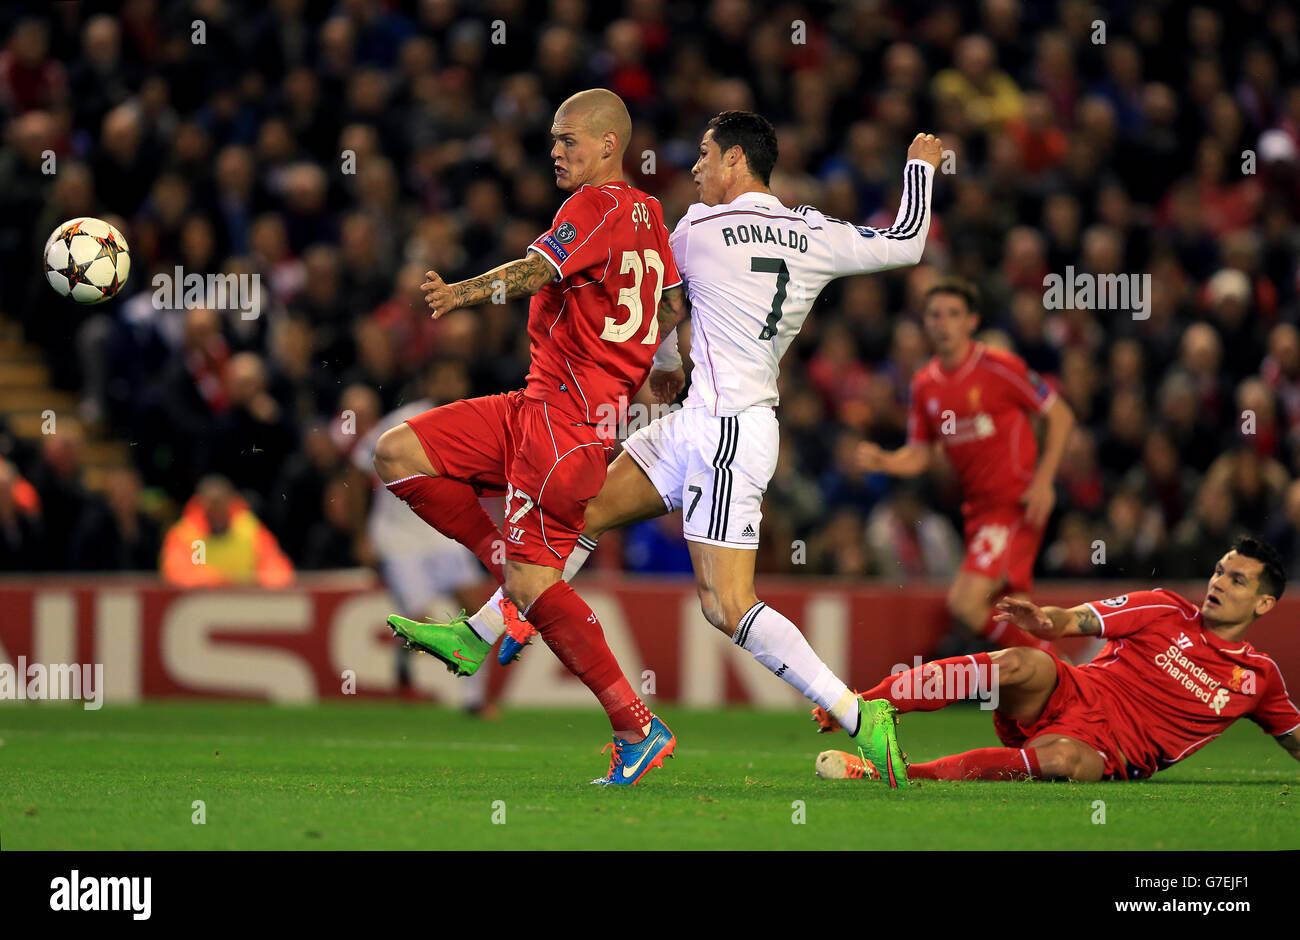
{"x":725,"y":608}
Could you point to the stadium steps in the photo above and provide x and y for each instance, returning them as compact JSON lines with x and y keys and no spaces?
{"x":25,"y":395}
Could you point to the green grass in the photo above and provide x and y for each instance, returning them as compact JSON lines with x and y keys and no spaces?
{"x":367,"y":775}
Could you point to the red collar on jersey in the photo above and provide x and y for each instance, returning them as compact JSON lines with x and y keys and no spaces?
{"x":970,"y":357}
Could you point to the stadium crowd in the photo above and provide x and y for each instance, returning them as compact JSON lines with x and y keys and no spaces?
{"x":341,"y":149}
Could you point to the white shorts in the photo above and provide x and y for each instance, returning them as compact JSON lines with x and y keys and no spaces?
{"x":714,"y":469}
{"x":417,"y":580}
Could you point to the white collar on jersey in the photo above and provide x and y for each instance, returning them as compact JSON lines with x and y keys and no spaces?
{"x":753,"y":197}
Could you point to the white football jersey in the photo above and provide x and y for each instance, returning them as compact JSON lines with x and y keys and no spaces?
{"x":393,"y":528}
{"x":753,"y":269}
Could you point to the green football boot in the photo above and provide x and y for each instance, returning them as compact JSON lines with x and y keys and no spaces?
{"x":455,"y":643}
{"x":877,"y":740}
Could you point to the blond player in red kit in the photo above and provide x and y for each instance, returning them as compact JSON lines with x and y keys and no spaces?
{"x":603,"y":283}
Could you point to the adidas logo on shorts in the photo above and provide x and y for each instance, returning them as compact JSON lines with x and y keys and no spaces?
{"x":748,"y":533}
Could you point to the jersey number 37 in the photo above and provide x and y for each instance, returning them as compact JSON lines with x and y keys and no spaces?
{"x":630,"y":297}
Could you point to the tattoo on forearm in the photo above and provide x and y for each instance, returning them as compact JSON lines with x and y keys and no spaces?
{"x":672,"y":307}
{"x":521,"y":278}
{"x":1087,"y":622}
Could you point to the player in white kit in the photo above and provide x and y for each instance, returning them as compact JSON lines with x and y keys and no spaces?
{"x":419,"y":565}
{"x":753,"y":269}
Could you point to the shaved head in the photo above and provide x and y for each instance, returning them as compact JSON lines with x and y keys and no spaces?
{"x":600,"y":112}
{"x":591,"y":132}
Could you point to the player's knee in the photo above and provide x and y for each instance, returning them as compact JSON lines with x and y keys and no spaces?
{"x":967,"y":610}
{"x":521,"y":590}
{"x":392,"y":454}
{"x":1012,"y":665}
{"x":525,"y":583}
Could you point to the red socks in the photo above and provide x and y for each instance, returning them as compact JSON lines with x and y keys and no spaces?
{"x":574,"y":635}
{"x":986,"y":763}
{"x":934,"y":685}
{"x":1008,"y":634}
{"x":453,"y":509}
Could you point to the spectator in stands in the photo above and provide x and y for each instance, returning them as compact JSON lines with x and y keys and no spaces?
{"x":254,"y":435}
{"x":21,"y":538}
{"x":908,"y":540}
{"x":115,"y":533}
{"x":219,"y":542}
{"x":1210,"y":522}
{"x":234,"y":154}
{"x":331,"y":541}
{"x":58,"y":480}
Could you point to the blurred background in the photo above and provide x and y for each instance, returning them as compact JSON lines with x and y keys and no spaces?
{"x":1171,"y":147}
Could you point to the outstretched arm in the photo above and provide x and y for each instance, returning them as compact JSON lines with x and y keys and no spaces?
{"x":521,"y":278}
{"x":908,"y":461}
{"x":858,"y":249}
{"x":1040,"y":496}
{"x":1048,"y":622}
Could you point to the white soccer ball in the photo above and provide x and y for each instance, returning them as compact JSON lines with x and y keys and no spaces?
{"x":87,"y":260}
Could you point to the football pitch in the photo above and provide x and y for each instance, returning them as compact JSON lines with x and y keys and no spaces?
{"x":371,"y":775}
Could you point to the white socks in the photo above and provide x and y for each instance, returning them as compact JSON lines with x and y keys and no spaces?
{"x":777,"y":643}
{"x":772,"y":639}
{"x":488,"y":622}
{"x":578,"y":557}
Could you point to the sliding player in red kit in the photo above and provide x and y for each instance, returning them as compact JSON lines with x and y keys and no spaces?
{"x":1171,"y":678}
{"x":976,"y":403}
{"x":603,"y":283}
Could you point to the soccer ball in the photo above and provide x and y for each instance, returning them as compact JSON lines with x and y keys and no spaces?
{"x":87,"y":260}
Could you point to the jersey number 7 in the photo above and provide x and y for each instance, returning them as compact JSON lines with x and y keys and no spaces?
{"x":772,"y":266}
{"x":630,"y":297}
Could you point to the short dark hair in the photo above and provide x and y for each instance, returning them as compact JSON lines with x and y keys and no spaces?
{"x":753,"y":134}
{"x":959,"y":287}
{"x":1272,"y":579}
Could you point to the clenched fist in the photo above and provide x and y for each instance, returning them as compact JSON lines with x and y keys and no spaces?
{"x":926,"y":147}
{"x":666,"y":386}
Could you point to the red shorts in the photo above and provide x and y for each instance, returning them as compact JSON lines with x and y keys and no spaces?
{"x":1075,"y":710}
{"x":547,"y":465}
{"x":1001,"y":545}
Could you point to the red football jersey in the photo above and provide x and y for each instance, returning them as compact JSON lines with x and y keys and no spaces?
{"x":593,"y":331}
{"x":1171,"y":686}
{"x":980,"y":412}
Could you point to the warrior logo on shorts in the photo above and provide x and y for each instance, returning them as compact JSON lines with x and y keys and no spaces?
{"x":565,"y":233}
{"x":1116,"y":601}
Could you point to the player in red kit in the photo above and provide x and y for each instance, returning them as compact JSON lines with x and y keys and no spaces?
{"x":976,"y":403}
{"x":603,"y":285}
{"x":1170,"y":679}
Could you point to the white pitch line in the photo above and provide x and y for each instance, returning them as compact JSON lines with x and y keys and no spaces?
{"x":344,"y":743}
